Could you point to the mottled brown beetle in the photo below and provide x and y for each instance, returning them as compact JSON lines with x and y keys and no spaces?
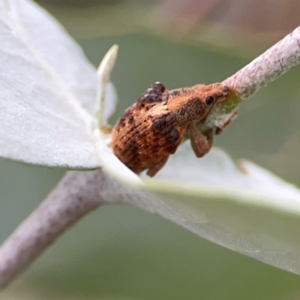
{"x":154,"y":126}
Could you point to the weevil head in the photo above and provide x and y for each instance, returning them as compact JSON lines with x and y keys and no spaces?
{"x":194,"y":103}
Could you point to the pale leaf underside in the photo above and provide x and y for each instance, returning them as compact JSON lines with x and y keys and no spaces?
{"x":47,"y":90}
{"x":241,"y":207}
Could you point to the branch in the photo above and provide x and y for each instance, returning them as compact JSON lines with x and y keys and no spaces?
{"x":77,"y":194}
{"x":259,"y":73}
{"x":266,"y":68}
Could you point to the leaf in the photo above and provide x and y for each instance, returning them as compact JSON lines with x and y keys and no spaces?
{"x":241,"y":207}
{"x":48,"y":91}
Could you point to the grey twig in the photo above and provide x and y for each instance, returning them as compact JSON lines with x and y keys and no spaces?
{"x":266,"y":68}
{"x":77,"y":194}
{"x":262,"y":71}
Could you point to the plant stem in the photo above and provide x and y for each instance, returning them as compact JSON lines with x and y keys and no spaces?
{"x":259,"y":73}
{"x":266,"y":68}
{"x":77,"y":194}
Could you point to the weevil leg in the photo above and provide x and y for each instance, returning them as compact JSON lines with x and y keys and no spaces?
{"x":231,"y":118}
{"x":201,"y":143}
{"x":153,"y":170}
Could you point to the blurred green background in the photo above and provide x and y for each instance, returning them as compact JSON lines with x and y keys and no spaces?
{"x":122,"y":252}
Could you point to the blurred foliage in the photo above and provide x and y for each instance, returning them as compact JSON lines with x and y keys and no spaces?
{"x":124,"y":253}
{"x":244,"y":27}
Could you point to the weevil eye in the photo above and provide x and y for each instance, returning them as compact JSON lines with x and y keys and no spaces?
{"x":209,"y":100}
{"x":226,"y":89}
